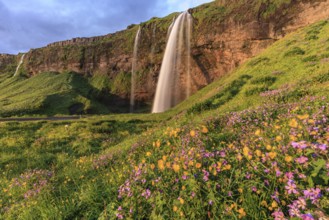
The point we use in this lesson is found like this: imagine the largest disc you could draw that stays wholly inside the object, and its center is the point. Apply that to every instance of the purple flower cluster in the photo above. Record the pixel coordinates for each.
(125, 189)
(270, 93)
(205, 175)
(278, 215)
(102, 161)
(312, 194)
(291, 187)
(299, 145)
(300, 205)
(34, 181)
(146, 194)
(301, 160)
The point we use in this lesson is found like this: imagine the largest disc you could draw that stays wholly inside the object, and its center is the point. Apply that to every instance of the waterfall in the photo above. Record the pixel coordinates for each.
(170, 27)
(169, 92)
(133, 70)
(19, 64)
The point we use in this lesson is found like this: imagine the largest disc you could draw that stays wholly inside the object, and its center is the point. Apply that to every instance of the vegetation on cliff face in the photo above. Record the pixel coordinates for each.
(257, 149)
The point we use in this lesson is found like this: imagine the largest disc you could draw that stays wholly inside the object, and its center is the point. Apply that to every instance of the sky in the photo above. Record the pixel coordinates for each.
(27, 24)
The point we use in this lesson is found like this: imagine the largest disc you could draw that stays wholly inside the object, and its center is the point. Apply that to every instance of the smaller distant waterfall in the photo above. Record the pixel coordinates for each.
(19, 64)
(133, 70)
(175, 68)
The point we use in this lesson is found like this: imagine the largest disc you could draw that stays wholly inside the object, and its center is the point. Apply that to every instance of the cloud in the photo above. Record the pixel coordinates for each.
(35, 23)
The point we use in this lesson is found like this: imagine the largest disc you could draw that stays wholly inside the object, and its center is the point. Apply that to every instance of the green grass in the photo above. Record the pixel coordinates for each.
(59, 94)
(75, 169)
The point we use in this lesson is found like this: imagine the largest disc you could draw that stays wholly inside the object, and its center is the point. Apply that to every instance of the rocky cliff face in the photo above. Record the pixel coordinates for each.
(226, 34)
(7, 63)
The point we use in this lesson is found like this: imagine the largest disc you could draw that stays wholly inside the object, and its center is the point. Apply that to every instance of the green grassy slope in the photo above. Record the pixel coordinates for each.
(252, 145)
(50, 94)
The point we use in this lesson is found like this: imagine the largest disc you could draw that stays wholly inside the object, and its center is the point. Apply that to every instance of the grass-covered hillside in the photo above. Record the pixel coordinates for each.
(59, 94)
(252, 145)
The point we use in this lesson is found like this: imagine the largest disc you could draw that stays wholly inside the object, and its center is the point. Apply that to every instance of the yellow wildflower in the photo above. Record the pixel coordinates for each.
(152, 166)
(314, 133)
(292, 138)
(227, 167)
(293, 123)
(264, 203)
(190, 163)
(272, 155)
(288, 159)
(148, 154)
(274, 204)
(157, 143)
(239, 157)
(246, 151)
(204, 129)
(242, 213)
(161, 165)
(175, 208)
(183, 187)
(278, 138)
(258, 153)
(181, 201)
(192, 133)
(168, 165)
(176, 167)
(303, 117)
(198, 165)
(268, 147)
(240, 190)
(258, 132)
(311, 121)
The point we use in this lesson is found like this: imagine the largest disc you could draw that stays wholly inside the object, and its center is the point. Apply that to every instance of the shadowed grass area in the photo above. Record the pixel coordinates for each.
(53, 94)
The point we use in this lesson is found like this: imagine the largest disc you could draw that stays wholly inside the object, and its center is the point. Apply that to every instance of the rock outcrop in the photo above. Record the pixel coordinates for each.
(7, 62)
(226, 34)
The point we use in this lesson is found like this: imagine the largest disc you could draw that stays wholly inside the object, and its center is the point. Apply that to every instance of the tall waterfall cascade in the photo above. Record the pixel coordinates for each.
(174, 83)
(19, 64)
(133, 70)
(170, 27)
